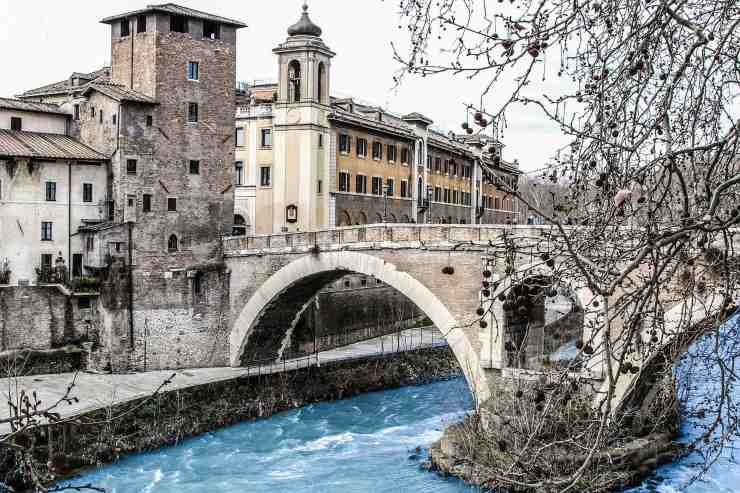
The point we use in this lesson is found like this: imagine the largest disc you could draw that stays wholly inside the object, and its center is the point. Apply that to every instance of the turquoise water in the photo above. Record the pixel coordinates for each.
(363, 444)
(367, 444)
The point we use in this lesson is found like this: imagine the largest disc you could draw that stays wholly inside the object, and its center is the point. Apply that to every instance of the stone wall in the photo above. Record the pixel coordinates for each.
(35, 317)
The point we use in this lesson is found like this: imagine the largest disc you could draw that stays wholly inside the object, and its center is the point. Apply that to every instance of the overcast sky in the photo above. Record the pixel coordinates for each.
(45, 41)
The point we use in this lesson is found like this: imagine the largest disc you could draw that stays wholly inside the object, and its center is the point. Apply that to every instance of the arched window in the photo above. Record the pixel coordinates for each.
(294, 81)
(172, 244)
(344, 219)
(321, 82)
(361, 218)
(240, 226)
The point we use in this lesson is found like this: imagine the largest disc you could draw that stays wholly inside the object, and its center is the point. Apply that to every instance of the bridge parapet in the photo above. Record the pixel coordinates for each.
(374, 233)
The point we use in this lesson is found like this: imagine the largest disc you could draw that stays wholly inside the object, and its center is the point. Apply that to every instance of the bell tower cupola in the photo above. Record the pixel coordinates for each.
(302, 141)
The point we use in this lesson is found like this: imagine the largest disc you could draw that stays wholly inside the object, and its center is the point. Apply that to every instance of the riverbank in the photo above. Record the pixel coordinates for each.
(145, 424)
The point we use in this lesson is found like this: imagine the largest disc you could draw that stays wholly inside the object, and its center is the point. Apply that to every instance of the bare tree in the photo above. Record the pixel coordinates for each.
(646, 92)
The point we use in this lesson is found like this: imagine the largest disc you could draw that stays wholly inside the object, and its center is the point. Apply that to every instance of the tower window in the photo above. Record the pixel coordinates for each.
(172, 244)
(131, 166)
(294, 81)
(318, 187)
(321, 140)
(192, 112)
(211, 30)
(171, 204)
(146, 203)
(178, 24)
(149, 120)
(141, 24)
(124, 28)
(16, 123)
(193, 70)
(194, 167)
(320, 85)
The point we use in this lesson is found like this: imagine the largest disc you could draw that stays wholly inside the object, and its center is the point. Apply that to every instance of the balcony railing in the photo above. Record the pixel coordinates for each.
(60, 275)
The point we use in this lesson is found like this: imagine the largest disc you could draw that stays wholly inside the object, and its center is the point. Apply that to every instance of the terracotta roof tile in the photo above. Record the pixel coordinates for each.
(41, 145)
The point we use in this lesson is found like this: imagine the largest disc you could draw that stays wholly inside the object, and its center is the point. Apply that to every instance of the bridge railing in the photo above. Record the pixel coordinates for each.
(378, 233)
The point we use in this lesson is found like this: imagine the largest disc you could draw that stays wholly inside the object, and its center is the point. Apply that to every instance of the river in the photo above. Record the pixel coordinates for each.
(368, 444)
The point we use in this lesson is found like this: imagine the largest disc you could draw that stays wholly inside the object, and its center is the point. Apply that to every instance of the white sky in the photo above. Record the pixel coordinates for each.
(45, 41)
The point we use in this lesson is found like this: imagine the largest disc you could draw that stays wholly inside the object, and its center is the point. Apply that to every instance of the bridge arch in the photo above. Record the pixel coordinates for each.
(286, 292)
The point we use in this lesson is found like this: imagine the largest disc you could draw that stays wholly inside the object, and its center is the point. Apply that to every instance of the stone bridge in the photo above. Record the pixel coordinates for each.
(440, 268)
(455, 274)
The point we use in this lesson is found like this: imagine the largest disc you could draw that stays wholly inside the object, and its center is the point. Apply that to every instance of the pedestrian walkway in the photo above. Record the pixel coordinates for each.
(96, 391)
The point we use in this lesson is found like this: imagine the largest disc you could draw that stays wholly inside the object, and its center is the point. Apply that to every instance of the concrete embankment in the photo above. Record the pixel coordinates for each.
(106, 434)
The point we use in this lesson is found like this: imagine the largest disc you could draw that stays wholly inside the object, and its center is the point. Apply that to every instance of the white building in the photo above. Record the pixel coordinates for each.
(50, 185)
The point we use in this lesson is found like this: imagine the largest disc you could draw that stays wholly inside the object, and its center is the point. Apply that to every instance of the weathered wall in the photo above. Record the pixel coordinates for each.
(35, 317)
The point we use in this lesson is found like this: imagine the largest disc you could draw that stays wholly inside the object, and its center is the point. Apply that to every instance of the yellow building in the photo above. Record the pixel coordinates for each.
(306, 161)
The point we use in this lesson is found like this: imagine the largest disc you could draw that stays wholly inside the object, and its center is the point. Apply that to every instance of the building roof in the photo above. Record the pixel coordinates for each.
(358, 120)
(89, 226)
(16, 144)
(119, 92)
(417, 117)
(19, 105)
(65, 86)
(172, 8)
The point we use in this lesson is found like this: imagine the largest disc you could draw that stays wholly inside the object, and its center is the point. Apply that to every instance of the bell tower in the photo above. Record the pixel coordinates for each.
(301, 141)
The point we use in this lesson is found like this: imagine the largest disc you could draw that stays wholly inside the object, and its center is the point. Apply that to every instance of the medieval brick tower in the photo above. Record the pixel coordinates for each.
(173, 73)
(302, 147)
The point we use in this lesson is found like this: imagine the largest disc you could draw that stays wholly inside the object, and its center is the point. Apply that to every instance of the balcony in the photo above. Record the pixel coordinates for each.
(60, 275)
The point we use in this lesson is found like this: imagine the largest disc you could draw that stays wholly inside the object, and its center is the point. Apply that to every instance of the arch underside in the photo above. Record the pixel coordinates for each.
(260, 329)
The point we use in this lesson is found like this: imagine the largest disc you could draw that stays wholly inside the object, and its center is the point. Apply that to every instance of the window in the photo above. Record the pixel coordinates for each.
(211, 30)
(361, 184)
(446, 198)
(318, 187)
(446, 168)
(100, 116)
(178, 24)
(92, 111)
(89, 243)
(391, 152)
(294, 81)
(149, 120)
(239, 136)
(497, 203)
(171, 204)
(429, 162)
(47, 231)
(454, 197)
(405, 155)
(194, 167)
(192, 112)
(361, 148)
(124, 28)
(438, 164)
(238, 173)
(51, 191)
(76, 265)
(87, 192)
(77, 112)
(266, 137)
(146, 203)
(114, 119)
(377, 185)
(192, 70)
(83, 302)
(16, 123)
(344, 143)
(240, 226)
(390, 187)
(172, 244)
(141, 24)
(437, 194)
(377, 151)
(343, 181)
(45, 261)
(131, 166)
(404, 188)
(321, 141)
(265, 176)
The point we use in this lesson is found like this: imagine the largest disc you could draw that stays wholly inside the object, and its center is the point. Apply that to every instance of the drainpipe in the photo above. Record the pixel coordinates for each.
(69, 219)
(130, 289)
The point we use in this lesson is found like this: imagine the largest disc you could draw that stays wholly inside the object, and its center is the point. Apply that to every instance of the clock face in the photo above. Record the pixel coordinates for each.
(294, 116)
